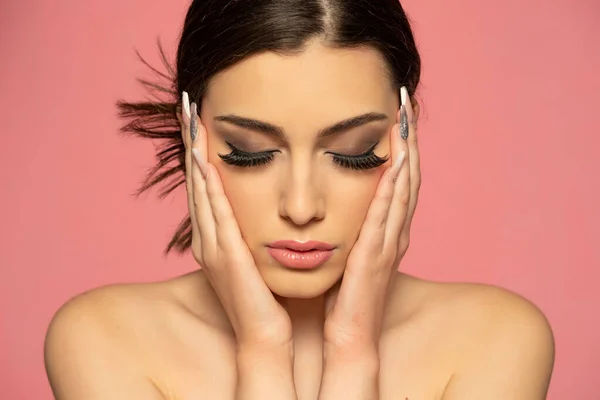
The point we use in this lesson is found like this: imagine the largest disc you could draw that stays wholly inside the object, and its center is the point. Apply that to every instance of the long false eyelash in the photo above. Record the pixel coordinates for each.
(241, 158)
(366, 160)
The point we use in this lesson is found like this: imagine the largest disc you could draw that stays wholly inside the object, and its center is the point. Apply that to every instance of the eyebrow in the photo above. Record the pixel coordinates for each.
(274, 130)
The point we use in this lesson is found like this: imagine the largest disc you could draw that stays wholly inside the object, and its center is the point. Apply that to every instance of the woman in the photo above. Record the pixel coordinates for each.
(294, 128)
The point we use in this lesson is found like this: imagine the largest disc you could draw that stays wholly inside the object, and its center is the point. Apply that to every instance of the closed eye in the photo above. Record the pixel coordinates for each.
(363, 161)
(241, 158)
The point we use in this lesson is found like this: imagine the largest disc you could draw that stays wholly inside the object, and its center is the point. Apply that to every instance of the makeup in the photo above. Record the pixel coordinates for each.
(403, 128)
(300, 255)
(194, 122)
(366, 160)
(404, 95)
(403, 123)
(246, 159)
(241, 158)
(185, 105)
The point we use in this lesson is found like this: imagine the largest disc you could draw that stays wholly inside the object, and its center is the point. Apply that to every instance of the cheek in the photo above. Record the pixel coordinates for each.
(249, 197)
(350, 198)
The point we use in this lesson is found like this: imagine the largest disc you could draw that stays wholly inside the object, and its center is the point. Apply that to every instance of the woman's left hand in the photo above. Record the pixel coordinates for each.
(354, 316)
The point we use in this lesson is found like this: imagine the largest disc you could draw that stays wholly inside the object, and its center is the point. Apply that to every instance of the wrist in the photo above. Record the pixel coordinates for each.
(350, 375)
(366, 367)
(249, 356)
(352, 362)
(352, 355)
(265, 373)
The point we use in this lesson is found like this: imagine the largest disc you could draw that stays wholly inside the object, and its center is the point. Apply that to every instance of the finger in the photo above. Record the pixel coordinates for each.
(215, 216)
(415, 161)
(227, 229)
(185, 136)
(204, 217)
(217, 224)
(237, 281)
(401, 199)
(373, 228)
(202, 210)
(185, 114)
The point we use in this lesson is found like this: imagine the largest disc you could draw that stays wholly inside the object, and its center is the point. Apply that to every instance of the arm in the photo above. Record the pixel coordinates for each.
(85, 359)
(350, 376)
(265, 374)
(354, 315)
(262, 327)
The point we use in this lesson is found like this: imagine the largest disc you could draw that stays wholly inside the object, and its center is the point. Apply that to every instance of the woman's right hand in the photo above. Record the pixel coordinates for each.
(258, 319)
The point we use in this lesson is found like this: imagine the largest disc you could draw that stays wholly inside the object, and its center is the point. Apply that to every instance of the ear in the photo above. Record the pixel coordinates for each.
(416, 110)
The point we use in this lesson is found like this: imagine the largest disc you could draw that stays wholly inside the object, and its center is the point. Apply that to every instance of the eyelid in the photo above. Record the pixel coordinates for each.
(364, 154)
(265, 153)
(248, 153)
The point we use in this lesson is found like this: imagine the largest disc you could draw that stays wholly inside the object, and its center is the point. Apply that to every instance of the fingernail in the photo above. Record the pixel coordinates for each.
(403, 127)
(395, 170)
(194, 122)
(407, 102)
(403, 95)
(201, 163)
(185, 104)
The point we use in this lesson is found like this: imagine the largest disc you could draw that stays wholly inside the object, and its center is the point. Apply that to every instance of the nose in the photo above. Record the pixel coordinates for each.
(301, 200)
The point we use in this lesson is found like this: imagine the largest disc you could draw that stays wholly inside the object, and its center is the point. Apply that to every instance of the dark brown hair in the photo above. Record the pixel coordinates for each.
(219, 33)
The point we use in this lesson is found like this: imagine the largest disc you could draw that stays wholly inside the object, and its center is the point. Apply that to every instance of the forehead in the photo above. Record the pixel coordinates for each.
(327, 84)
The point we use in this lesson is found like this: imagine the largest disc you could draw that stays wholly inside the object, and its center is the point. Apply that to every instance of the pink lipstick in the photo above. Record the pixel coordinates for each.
(300, 255)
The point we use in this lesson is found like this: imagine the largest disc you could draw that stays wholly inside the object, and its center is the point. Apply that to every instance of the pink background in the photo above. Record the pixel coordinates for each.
(509, 143)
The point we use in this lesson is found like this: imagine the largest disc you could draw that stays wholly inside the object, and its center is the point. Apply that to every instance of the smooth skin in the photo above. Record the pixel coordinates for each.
(243, 327)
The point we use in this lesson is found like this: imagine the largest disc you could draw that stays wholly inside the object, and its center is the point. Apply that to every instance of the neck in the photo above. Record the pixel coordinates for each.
(307, 316)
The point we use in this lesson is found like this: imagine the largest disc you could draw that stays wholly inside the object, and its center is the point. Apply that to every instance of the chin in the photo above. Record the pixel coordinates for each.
(301, 284)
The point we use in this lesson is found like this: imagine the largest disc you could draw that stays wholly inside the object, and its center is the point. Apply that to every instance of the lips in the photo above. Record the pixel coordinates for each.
(300, 255)
(301, 246)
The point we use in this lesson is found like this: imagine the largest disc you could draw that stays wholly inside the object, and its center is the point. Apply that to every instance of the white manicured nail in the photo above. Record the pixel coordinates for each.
(185, 101)
(404, 95)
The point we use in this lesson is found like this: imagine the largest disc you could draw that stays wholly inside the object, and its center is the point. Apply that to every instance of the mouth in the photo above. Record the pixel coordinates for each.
(300, 255)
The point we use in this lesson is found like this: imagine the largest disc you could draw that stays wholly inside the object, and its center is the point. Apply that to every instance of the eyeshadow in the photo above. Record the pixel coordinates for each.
(354, 143)
(245, 141)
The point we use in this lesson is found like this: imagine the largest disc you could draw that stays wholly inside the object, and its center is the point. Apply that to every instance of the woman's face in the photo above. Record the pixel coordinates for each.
(298, 190)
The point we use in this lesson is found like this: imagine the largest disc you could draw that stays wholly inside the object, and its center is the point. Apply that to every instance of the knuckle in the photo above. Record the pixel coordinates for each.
(224, 218)
(404, 199)
(417, 181)
(413, 138)
(385, 257)
(382, 222)
(414, 125)
(404, 242)
(385, 198)
(226, 213)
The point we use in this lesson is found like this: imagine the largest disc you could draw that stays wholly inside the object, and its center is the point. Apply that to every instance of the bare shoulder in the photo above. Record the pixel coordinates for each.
(493, 316)
(98, 344)
(499, 343)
